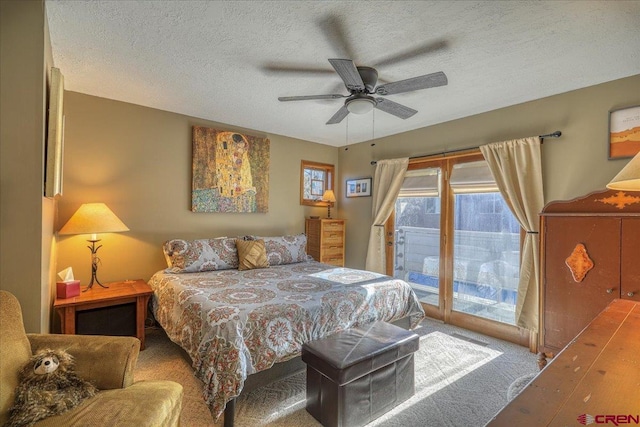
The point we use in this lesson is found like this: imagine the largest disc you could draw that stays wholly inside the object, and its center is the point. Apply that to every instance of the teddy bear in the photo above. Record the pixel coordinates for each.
(47, 386)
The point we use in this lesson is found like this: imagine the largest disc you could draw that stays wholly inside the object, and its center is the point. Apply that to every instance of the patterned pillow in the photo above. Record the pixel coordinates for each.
(286, 249)
(251, 254)
(190, 256)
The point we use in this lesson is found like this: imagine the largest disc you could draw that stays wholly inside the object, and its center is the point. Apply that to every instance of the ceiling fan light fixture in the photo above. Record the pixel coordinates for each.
(361, 105)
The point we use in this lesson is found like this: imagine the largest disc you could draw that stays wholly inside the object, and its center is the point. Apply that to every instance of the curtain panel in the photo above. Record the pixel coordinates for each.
(387, 181)
(516, 166)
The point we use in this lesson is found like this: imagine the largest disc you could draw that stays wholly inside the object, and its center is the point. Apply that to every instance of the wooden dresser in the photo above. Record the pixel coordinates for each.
(590, 255)
(593, 380)
(325, 240)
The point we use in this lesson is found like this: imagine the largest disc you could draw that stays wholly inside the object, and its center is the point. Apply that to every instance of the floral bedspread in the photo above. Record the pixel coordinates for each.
(234, 323)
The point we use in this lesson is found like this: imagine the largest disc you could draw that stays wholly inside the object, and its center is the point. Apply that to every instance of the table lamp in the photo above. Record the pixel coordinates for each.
(330, 198)
(93, 218)
(628, 179)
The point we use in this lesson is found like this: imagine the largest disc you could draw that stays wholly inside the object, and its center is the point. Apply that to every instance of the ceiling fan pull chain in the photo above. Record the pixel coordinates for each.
(373, 126)
(347, 135)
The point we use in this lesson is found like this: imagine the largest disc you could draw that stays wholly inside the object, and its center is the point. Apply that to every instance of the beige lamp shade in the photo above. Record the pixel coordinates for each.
(628, 179)
(328, 196)
(93, 218)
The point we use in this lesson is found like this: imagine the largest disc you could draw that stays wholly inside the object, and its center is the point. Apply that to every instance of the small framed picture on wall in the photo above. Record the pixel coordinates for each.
(359, 187)
(624, 132)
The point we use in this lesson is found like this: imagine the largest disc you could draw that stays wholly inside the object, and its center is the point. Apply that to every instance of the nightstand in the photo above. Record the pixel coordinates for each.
(121, 300)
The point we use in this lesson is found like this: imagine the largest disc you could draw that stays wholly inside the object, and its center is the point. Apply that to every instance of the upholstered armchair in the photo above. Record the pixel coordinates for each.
(108, 362)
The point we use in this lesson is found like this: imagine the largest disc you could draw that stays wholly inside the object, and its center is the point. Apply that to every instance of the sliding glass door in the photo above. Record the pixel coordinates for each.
(458, 244)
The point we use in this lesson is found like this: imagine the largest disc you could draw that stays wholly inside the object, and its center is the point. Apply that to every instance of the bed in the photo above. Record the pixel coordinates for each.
(235, 321)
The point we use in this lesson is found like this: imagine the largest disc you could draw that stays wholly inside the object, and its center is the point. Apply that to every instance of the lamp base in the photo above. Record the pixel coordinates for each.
(94, 265)
(94, 279)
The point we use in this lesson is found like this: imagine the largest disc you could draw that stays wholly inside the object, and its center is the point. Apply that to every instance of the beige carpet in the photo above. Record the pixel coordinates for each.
(462, 380)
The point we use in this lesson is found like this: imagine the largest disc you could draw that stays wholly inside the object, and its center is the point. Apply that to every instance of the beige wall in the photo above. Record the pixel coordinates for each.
(26, 217)
(137, 160)
(573, 165)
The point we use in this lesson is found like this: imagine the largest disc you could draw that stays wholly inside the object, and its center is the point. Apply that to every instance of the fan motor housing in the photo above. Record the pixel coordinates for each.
(369, 77)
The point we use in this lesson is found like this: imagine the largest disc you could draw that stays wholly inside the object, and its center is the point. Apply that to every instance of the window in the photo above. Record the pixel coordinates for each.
(315, 178)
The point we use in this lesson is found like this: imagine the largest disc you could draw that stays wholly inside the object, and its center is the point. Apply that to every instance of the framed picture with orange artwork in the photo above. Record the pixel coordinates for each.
(624, 132)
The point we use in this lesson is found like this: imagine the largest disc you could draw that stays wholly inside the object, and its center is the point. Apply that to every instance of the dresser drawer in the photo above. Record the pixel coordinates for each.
(332, 251)
(333, 226)
(332, 239)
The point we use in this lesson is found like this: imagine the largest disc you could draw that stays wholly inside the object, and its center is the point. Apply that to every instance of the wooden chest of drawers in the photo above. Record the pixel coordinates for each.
(590, 247)
(325, 240)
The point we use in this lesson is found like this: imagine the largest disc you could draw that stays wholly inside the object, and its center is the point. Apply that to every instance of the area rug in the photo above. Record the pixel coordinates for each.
(461, 378)
(518, 385)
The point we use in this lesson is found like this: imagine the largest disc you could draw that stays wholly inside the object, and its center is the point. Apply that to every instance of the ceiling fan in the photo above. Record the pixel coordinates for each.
(361, 83)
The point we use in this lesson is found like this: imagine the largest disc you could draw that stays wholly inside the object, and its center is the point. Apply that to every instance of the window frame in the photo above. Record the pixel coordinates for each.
(327, 168)
(445, 310)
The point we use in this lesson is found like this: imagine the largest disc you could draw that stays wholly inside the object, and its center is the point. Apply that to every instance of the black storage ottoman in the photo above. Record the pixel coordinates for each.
(355, 376)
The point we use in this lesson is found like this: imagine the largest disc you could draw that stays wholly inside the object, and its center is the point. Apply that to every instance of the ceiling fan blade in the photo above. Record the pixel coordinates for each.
(334, 30)
(415, 83)
(348, 72)
(409, 54)
(294, 68)
(394, 108)
(308, 97)
(339, 115)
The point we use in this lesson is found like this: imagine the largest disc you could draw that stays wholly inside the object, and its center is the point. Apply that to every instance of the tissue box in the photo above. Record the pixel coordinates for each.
(68, 289)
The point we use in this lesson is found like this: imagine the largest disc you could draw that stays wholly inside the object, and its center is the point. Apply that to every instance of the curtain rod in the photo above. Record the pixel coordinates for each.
(555, 134)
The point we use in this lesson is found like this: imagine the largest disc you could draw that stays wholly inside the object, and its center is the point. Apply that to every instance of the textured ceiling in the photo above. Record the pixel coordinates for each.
(227, 61)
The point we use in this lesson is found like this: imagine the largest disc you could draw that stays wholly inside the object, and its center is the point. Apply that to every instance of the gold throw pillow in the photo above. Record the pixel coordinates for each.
(251, 254)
